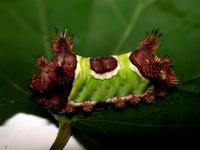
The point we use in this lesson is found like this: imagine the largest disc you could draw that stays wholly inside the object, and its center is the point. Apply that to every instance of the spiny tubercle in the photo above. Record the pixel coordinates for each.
(51, 87)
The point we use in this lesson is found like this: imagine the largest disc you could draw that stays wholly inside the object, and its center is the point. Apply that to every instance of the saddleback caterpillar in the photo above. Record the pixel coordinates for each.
(71, 82)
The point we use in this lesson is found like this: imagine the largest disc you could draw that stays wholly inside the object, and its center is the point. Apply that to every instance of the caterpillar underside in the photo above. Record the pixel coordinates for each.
(71, 82)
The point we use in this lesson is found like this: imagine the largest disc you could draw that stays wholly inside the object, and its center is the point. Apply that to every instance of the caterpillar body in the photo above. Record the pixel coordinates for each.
(71, 82)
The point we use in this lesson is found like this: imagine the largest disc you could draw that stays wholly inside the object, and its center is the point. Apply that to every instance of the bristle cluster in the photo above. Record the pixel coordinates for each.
(87, 106)
(148, 97)
(134, 100)
(151, 42)
(119, 103)
(168, 73)
(156, 69)
(51, 86)
(69, 108)
(63, 42)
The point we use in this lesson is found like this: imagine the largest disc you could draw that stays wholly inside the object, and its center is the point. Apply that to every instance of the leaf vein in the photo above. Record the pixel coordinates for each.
(14, 84)
(118, 13)
(44, 27)
(136, 13)
(196, 77)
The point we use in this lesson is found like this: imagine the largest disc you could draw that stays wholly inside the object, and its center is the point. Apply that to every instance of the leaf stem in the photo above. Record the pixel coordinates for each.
(63, 136)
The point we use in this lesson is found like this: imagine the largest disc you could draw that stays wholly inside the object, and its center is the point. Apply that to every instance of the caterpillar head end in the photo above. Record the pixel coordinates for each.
(50, 88)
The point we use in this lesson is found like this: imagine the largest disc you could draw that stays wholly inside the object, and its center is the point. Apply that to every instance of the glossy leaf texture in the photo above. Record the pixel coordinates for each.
(105, 27)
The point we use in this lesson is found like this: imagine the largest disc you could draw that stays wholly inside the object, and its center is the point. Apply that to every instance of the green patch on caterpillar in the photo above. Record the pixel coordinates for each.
(71, 83)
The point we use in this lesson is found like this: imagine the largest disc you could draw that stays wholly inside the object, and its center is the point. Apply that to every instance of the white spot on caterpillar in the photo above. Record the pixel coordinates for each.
(106, 75)
(113, 99)
(78, 67)
(74, 104)
(81, 103)
(135, 69)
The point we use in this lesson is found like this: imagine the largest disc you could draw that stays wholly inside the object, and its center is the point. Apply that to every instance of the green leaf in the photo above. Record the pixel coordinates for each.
(104, 27)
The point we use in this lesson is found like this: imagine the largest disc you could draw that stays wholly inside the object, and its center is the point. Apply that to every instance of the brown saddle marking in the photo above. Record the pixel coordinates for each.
(102, 65)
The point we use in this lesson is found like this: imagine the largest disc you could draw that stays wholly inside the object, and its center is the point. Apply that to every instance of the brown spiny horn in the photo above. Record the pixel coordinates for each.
(150, 65)
(151, 42)
(63, 42)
